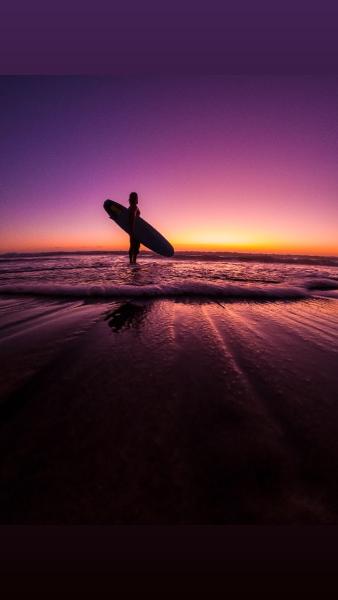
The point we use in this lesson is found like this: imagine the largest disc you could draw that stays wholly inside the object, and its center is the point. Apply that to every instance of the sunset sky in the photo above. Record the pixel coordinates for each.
(231, 163)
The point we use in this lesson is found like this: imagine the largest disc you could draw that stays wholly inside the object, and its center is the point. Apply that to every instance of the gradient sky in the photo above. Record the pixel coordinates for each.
(232, 163)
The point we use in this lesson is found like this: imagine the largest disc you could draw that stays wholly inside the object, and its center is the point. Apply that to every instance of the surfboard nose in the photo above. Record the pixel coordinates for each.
(107, 204)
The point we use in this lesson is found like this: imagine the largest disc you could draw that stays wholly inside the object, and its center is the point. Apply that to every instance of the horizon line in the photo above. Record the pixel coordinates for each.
(146, 251)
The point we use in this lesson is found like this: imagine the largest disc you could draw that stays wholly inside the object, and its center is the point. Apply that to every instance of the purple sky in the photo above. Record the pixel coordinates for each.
(218, 162)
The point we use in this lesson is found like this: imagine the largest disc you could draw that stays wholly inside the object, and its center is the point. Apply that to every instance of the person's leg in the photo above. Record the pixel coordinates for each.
(136, 250)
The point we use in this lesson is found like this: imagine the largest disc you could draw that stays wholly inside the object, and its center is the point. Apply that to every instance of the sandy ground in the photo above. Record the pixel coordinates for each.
(165, 412)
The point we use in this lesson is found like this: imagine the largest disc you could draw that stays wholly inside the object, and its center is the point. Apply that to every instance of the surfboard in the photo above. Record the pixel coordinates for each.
(145, 233)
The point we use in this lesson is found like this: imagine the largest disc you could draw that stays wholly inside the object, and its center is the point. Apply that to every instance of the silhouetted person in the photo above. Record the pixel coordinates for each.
(134, 212)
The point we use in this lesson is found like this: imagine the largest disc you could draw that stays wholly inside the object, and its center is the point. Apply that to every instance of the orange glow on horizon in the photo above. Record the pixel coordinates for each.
(252, 243)
(210, 236)
(180, 245)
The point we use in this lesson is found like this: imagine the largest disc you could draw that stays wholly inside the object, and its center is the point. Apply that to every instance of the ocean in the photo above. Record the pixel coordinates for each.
(196, 274)
(200, 389)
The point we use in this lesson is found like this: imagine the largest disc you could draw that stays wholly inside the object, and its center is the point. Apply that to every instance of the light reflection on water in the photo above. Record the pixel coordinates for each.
(114, 269)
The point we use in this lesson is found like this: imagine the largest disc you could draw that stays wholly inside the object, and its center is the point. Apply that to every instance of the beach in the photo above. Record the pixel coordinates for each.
(185, 409)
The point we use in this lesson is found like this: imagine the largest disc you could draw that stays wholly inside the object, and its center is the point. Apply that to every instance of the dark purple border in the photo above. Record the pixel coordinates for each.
(138, 37)
(210, 549)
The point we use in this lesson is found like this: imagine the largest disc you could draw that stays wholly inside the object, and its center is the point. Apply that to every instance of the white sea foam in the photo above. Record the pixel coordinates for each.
(186, 288)
(209, 275)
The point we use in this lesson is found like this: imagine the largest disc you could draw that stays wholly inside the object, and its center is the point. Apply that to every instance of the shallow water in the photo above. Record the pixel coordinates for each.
(223, 275)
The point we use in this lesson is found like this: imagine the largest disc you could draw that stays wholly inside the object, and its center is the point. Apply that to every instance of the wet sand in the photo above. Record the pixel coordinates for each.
(165, 412)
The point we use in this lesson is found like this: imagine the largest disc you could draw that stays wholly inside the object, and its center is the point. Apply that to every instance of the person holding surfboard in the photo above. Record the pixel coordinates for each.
(134, 212)
(139, 231)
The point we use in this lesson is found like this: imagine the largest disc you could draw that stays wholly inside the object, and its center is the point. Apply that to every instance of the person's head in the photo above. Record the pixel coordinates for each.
(133, 198)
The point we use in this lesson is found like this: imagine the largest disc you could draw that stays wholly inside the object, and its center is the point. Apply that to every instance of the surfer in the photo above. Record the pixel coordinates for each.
(134, 212)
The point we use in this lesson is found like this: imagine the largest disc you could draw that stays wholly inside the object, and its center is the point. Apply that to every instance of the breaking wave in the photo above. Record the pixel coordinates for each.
(167, 290)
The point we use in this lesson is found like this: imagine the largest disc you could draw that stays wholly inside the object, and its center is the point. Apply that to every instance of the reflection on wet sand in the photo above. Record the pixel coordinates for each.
(126, 315)
(192, 414)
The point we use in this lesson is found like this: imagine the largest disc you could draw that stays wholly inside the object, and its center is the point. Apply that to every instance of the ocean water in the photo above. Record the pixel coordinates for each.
(213, 403)
(191, 274)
